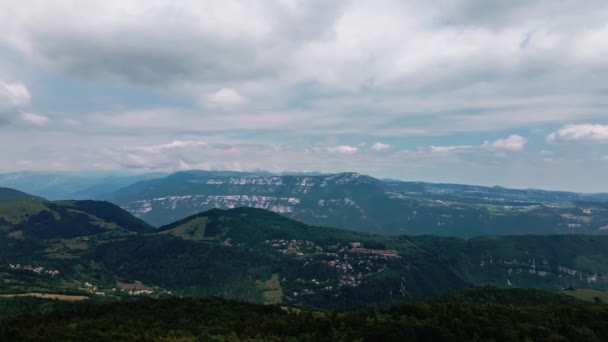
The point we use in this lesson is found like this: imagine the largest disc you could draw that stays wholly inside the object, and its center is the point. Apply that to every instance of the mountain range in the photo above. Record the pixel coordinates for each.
(96, 249)
(363, 203)
(61, 185)
(345, 200)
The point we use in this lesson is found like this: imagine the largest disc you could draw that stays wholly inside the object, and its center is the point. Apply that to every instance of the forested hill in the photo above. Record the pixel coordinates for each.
(187, 319)
(96, 249)
(33, 218)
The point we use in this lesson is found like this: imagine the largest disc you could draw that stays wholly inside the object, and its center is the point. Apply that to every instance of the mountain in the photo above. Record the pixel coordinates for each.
(363, 203)
(103, 187)
(8, 194)
(56, 185)
(256, 255)
(95, 249)
(46, 245)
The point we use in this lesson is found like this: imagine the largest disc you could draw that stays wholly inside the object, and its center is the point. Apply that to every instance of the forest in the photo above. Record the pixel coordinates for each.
(479, 314)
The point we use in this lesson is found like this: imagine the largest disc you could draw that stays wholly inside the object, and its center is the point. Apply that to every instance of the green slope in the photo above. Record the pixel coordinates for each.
(39, 219)
(260, 256)
(231, 252)
(47, 246)
(8, 194)
(255, 226)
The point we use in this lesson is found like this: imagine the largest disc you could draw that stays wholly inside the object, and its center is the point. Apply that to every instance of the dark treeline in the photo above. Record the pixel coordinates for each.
(189, 319)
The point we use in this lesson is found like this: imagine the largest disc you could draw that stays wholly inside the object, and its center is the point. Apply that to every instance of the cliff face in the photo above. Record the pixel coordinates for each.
(313, 199)
(362, 203)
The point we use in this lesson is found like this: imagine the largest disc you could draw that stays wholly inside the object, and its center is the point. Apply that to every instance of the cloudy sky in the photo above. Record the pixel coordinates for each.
(511, 92)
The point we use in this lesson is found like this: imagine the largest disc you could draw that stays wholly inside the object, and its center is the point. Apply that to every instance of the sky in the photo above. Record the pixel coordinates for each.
(510, 93)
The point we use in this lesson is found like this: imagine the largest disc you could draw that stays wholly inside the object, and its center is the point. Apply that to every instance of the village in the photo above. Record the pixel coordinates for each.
(344, 265)
(35, 269)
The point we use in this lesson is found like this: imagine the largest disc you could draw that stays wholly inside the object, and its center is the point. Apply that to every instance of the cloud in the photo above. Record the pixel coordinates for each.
(339, 45)
(307, 67)
(196, 154)
(15, 94)
(343, 149)
(378, 146)
(225, 98)
(174, 145)
(445, 149)
(605, 158)
(34, 119)
(591, 133)
(162, 76)
(513, 142)
(13, 98)
(164, 42)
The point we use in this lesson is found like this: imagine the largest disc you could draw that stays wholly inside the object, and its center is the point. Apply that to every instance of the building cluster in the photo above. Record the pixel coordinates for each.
(296, 247)
(357, 247)
(92, 289)
(34, 269)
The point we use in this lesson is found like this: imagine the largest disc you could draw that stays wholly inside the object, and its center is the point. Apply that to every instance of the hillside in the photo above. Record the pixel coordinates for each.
(46, 245)
(253, 226)
(8, 194)
(363, 203)
(39, 219)
(252, 254)
(211, 319)
(96, 249)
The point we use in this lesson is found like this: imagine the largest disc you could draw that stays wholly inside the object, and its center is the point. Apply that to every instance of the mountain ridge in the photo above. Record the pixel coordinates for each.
(363, 203)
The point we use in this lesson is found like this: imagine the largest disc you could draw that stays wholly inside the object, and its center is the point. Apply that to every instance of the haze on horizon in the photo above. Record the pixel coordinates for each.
(509, 93)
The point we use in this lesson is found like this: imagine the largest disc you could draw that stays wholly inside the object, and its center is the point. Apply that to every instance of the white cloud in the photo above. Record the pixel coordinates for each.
(13, 98)
(225, 98)
(605, 158)
(513, 142)
(176, 144)
(344, 44)
(593, 133)
(378, 146)
(397, 59)
(15, 94)
(34, 119)
(445, 149)
(343, 149)
(300, 72)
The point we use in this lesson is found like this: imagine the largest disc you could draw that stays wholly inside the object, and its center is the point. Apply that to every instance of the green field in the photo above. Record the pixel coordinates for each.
(588, 295)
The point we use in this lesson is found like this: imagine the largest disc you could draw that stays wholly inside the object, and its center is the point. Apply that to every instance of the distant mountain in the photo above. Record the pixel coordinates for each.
(101, 188)
(363, 203)
(97, 249)
(56, 185)
(8, 194)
